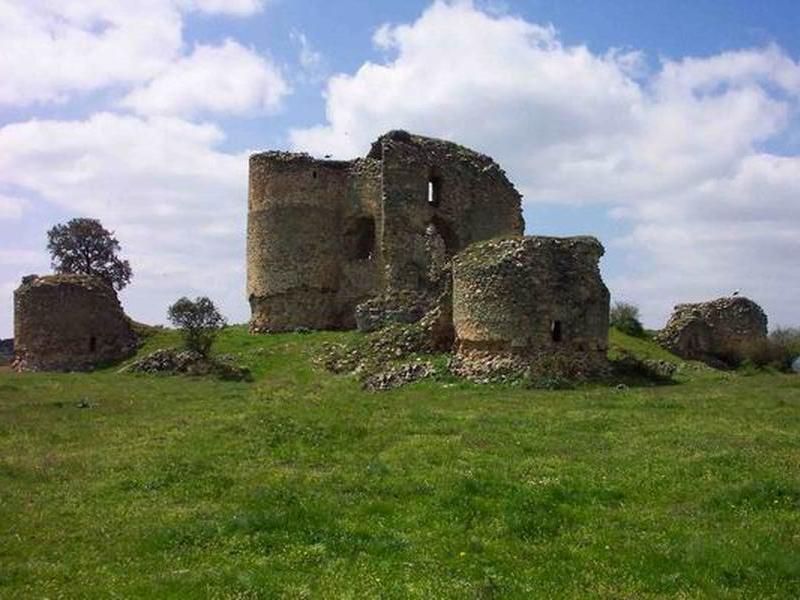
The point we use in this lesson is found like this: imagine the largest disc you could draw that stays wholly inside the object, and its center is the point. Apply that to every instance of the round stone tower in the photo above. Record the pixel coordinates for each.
(293, 240)
(526, 296)
(69, 323)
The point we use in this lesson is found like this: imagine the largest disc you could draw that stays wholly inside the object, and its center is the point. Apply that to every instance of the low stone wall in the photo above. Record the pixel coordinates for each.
(707, 330)
(69, 323)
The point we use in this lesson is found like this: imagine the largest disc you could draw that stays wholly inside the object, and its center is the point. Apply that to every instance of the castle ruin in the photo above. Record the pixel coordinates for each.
(69, 323)
(707, 331)
(419, 230)
(518, 298)
(324, 236)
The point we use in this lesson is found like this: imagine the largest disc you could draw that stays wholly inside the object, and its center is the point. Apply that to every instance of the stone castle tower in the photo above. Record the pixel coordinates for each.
(324, 235)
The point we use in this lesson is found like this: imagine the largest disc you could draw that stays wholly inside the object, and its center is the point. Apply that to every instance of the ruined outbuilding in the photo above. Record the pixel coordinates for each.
(708, 331)
(325, 236)
(69, 323)
(519, 298)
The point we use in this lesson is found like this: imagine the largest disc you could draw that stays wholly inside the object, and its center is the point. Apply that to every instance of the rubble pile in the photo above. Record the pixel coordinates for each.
(189, 362)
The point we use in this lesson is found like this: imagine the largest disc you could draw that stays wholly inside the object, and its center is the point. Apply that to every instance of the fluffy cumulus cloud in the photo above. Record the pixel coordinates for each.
(148, 166)
(50, 49)
(227, 78)
(676, 151)
(174, 201)
(240, 8)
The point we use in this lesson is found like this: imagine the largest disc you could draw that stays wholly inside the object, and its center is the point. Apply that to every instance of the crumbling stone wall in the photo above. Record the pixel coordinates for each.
(518, 298)
(708, 330)
(325, 236)
(69, 323)
(313, 228)
(437, 188)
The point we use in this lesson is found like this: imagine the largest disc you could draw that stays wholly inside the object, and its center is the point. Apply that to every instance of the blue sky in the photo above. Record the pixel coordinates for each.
(669, 130)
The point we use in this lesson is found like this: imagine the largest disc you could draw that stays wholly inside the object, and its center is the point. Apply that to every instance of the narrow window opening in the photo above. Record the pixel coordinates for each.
(434, 190)
(92, 344)
(314, 174)
(555, 331)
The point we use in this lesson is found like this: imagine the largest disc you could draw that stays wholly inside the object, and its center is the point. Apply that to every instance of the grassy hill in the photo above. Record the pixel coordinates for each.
(300, 484)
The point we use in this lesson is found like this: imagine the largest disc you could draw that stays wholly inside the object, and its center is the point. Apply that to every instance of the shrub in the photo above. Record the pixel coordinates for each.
(625, 317)
(777, 351)
(788, 337)
(199, 322)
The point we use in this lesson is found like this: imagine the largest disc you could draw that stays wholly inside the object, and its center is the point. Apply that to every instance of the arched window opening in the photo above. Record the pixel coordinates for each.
(556, 333)
(359, 239)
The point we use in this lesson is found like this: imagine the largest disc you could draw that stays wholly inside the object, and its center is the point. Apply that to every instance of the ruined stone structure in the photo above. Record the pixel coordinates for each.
(324, 236)
(518, 298)
(708, 330)
(69, 323)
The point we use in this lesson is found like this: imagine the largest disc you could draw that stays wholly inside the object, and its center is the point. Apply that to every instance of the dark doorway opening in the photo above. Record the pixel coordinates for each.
(556, 333)
(451, 243)
(92, 344)
(359, 239)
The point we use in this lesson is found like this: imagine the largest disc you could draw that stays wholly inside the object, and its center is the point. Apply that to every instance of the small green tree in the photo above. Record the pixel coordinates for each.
(777, 351)
(199, 322)
(84, 247)
(625, 317)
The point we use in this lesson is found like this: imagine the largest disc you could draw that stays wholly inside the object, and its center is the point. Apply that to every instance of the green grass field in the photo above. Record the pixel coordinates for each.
(299, 485)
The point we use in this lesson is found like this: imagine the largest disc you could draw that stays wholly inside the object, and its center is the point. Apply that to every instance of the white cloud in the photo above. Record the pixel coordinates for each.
(226, 79)
(52, 48)
(677, 151)
(11, 207)
(239, 8)
(176, 203)
(308, 57)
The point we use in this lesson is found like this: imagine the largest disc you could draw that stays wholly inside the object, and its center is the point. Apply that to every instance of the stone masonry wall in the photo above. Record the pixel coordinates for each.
(69, 323)
(324, 236)
(706, 330)
(472, 200)
(307, 221)
(527, 296)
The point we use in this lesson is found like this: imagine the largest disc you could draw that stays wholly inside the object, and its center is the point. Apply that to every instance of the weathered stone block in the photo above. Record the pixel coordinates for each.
(708, 330)
(69, 323)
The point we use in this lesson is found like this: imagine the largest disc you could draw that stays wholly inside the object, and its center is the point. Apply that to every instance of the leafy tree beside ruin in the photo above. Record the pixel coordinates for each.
(199, 322)
(625, 317)
(84, 247)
